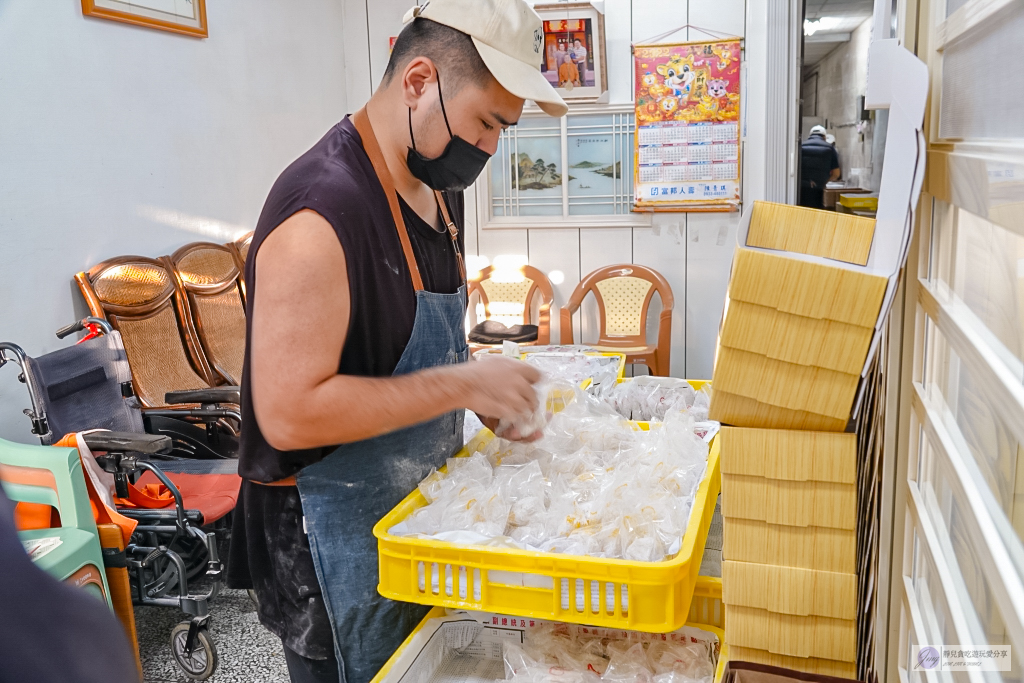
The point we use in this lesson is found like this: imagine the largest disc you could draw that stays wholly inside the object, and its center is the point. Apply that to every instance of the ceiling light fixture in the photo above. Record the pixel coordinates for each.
(822, 24)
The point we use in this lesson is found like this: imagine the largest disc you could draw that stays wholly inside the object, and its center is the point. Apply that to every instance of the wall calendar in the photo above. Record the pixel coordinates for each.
(687, 142)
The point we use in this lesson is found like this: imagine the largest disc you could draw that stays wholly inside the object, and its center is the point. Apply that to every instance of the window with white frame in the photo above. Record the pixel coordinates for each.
(578, 167)
(963, 557)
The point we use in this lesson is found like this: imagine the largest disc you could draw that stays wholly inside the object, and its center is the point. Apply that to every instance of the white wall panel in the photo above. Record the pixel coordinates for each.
(494, 243)
(720, 16)
(384, 22)
(755, 92)
(357, 56)
(663, 248)
(618, 20)
(653, 17)
(117, 139)
(558, 251)
(711, 241)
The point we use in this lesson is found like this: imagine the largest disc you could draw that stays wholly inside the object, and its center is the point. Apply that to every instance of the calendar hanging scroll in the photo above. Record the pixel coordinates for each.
(687, 142)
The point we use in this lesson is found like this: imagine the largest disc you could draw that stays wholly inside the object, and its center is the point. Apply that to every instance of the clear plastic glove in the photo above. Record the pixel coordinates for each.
(529, 424)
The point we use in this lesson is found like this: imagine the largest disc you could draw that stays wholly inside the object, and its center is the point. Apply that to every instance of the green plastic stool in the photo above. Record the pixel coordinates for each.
(53, 476)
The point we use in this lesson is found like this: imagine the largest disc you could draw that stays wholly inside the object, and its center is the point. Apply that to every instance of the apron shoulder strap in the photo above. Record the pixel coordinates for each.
(453, 231)
(362, 124)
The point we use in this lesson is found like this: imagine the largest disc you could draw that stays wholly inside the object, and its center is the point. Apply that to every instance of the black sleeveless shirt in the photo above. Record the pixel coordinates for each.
(336, 180)
(269, 548)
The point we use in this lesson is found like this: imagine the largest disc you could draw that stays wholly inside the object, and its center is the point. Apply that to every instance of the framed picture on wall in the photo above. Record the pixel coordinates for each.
(573, 54)
(187, 17)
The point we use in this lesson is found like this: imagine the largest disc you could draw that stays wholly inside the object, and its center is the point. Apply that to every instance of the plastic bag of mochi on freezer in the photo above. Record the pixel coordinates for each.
(555, 653)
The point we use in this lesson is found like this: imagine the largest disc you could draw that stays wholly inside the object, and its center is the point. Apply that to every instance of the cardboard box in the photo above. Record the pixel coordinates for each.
(810, 547)
(792, 338)
(794, 478)
(790, 386)
(789, 503)
(806, 288)
(811, 231)
(730, 408)
(787, 634)
(790, 590)
(814, 665)
(795, 455)
(795, 335)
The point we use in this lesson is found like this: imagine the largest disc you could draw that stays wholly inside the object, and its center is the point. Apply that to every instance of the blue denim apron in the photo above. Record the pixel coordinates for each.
(351, 489)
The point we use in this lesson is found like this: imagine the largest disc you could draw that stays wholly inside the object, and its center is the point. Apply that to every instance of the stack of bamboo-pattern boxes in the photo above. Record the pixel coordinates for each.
(789, 572)
(796, 332)
(792, 346)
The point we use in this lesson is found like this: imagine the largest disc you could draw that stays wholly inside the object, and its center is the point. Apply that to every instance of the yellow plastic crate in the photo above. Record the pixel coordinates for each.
(868, 202)
(707, 600)
(695, 383)
(639, 596)
(621, 356)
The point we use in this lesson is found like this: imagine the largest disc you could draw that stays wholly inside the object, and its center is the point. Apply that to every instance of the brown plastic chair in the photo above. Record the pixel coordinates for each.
(624, 294)
(138, 296)
(240, 250)
(510, 301)
(209, 276)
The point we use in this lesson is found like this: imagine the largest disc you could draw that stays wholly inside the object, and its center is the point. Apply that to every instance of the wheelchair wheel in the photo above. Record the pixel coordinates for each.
(201, 664)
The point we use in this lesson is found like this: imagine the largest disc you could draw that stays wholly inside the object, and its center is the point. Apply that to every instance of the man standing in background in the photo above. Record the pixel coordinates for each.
(560, 55)
(580, 56)
(819, 164)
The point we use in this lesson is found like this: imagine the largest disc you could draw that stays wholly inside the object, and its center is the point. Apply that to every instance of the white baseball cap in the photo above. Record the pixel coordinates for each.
(818, 130)
(509, 36)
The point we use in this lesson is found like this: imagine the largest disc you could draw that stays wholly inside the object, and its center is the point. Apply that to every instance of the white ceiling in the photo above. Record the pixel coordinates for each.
(851, 14)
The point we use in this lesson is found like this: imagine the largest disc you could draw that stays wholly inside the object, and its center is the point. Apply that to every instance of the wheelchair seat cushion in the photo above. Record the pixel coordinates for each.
(204, 396)
(127, 442)
(214, 495)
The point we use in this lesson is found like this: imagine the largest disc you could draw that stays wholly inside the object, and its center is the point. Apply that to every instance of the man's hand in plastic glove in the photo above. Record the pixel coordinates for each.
(512, 433)
(497, 388)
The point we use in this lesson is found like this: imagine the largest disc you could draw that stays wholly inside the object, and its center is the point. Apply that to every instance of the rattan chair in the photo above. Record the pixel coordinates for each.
(138, 296)
(211, 281)
(240, 249)
(510, 299)
(623, 295)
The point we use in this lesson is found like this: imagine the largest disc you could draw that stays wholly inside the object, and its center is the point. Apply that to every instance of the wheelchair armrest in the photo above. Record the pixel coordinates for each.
(128, 442)
(204, 396)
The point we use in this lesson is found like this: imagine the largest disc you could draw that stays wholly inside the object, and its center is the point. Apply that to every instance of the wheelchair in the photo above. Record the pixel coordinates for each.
(88, 387)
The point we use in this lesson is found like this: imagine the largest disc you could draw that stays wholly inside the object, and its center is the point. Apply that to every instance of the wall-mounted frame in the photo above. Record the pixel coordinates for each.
(573, 55)
(575, 171)
(187, 17)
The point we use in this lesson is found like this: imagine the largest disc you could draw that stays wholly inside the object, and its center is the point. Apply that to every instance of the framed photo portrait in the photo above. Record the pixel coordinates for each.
(187, 17)
(573, 54)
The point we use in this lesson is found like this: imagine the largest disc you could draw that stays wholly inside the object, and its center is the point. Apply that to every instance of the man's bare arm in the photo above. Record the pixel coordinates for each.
(300, 320)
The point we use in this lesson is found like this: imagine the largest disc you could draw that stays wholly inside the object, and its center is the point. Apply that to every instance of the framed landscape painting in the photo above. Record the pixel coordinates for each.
(187, 17)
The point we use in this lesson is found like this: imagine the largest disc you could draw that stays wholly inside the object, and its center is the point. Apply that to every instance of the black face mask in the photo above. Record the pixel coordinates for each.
(458, 165)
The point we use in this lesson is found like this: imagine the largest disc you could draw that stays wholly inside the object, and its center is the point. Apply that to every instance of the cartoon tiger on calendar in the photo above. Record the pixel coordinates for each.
(695, 82)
